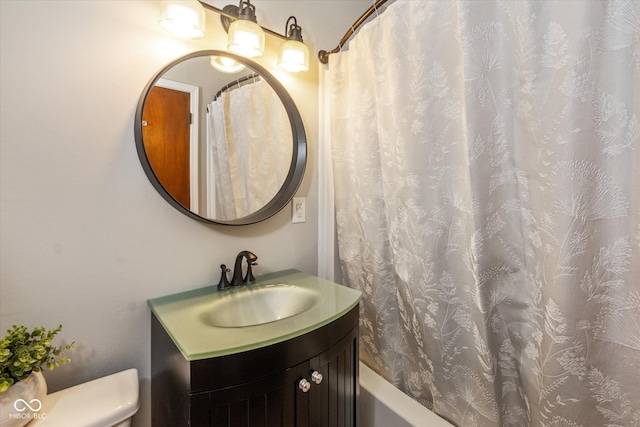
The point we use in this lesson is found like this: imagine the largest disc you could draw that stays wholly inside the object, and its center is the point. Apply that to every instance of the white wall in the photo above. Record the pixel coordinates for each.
(85, 240)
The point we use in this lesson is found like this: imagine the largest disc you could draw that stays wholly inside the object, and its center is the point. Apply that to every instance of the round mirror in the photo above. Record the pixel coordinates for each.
(225, 147)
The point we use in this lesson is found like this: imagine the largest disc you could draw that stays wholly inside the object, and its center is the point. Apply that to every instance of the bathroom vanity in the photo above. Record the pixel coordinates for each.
(240, 367)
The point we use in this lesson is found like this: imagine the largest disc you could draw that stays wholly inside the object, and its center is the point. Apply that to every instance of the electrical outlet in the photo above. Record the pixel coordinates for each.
(297, 210)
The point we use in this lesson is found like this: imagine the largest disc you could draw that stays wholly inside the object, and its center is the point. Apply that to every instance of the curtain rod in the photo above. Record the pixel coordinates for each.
(237, 82)
(323, 55)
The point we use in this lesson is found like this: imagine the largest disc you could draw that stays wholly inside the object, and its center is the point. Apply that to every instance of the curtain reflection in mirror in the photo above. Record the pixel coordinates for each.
(245, 170)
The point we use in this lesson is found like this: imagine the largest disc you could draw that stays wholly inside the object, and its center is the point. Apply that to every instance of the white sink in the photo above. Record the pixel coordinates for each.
(248, 306)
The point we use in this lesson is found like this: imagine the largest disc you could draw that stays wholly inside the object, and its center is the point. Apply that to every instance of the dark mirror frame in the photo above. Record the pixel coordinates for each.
(299, 154)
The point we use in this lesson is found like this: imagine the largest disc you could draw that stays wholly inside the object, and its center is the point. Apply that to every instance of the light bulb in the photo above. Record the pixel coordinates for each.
(294, 56)
(226, 65)
(246, 38)
(183, 18)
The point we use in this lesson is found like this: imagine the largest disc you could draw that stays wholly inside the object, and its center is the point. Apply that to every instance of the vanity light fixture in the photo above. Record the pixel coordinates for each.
(183, 18)
(186, 18)
(293, 54)
(226, 65)
(246, 37)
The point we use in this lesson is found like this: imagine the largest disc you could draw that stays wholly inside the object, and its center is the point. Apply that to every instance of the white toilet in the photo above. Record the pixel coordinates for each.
(109, 401)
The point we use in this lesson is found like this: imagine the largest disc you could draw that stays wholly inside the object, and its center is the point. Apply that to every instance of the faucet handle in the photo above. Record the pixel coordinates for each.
(248, 278)
(224, 282)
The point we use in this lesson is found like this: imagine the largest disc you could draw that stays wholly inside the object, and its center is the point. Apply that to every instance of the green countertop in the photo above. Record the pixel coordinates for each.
(181, 316)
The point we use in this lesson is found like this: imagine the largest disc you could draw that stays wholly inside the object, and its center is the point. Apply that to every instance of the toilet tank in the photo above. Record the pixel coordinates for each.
(105, 402)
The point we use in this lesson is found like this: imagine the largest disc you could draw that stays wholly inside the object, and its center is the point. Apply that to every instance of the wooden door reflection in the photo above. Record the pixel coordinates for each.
(165, 131)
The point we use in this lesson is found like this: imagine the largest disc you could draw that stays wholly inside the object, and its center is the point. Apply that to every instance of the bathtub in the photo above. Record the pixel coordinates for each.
(383, 405)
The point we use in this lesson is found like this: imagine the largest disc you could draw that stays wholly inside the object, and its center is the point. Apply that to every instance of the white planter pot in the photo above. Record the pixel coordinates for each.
(22, 402)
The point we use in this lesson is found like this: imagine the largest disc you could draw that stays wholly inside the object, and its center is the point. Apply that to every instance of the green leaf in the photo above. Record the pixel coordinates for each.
(23, 352)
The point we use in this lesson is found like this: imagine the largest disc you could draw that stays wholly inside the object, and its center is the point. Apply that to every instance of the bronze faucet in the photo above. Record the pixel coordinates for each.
(237, 269)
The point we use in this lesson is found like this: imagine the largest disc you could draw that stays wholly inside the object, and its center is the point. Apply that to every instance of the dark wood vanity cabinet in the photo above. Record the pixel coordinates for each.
(260, 387)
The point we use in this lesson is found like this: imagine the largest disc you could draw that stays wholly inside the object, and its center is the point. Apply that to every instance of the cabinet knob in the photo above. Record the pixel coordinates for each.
(304, 385)
(316, 377)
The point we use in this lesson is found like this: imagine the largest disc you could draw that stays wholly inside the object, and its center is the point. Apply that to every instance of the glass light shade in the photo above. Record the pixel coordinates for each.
(183, 18)
(246, 38)
(226, 65)
(293, 56)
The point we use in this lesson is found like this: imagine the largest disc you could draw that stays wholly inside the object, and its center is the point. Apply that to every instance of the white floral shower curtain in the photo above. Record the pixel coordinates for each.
(487, 188)
(248, 137)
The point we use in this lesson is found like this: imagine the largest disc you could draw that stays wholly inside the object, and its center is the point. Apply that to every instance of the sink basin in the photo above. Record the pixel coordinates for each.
(256, 305)
(205, 322)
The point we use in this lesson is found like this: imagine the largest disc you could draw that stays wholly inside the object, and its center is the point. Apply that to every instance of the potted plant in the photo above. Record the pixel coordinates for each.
(23, 355)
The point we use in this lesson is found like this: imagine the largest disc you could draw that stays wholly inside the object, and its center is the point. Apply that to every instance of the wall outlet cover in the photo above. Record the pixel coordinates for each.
(298, 210)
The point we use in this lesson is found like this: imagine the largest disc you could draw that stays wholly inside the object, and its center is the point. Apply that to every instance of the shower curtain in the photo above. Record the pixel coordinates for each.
(248, 134)
(486, 159)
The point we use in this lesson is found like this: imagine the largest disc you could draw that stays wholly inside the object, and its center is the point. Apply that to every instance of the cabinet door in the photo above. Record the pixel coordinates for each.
(333, 401)
(272, 401)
